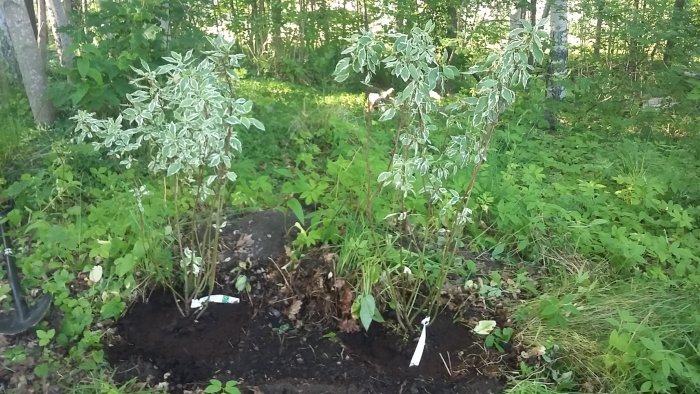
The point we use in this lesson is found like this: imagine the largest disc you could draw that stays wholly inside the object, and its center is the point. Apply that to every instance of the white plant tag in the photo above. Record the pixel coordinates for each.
(418, 353)
(217, 298)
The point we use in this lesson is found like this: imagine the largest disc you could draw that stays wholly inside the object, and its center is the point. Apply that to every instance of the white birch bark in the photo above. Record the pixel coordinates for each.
(42, 38)
(8, 61)
(63, 40)
(559, 53)
(29, 59)
(518, 12)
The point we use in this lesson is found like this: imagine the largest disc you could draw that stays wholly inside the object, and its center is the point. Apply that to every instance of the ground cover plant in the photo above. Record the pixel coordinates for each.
(553, 244)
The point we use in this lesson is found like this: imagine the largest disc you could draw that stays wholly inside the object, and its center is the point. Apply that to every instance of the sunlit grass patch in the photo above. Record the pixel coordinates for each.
(617, 335)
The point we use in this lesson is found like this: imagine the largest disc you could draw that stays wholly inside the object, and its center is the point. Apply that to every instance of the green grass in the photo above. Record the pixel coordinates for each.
(607, 207)
(620, 333)
(15, 118)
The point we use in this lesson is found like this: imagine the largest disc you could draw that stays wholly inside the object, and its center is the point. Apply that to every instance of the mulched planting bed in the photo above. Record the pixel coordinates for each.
(290, 333)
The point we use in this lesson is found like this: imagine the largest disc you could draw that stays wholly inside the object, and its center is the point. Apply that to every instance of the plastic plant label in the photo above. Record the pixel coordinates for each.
(418, 353)
(216, 298)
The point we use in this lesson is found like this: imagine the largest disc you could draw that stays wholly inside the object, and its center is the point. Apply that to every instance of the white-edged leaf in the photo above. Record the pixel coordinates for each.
(257, 124)
(387, 115)
(174, 168)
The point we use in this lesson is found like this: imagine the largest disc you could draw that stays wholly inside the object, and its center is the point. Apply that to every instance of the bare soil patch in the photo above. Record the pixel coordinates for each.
(285, 336)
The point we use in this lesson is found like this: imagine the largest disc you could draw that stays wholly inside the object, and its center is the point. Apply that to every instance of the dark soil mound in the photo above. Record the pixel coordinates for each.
(284, 337)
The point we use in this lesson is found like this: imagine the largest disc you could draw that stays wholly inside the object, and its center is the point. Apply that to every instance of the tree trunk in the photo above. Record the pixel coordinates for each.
(276, 21)
(518, 12)
(83, 14)
(547, 7)
(676, 20)
(63, 40)
(165, 25)
(559, 55)
(254, 26)
(634, 51)
(365, 18)
(533, 12)
(8, 60)
(29, 59)
(29, 4)
(42, 38)
(452, 29)
(560, 52)
(302, 31)
(599, 7)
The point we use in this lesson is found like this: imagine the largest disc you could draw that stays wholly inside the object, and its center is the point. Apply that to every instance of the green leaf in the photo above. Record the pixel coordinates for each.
(231, 387)
(537, 54)
(296, 208)
(404, 73)
(124, 264)
(596, 222)
(83, 65)
(413, 71)
(378, 316)
(45, 336)
(387, 115)
(450, 72)
(214, 386)
(257, 124)
(241, 283)
(285, 172)
(112, 308)
(487, 83)
(174, 168)
(433, 77)
(498, 250)
(342, 67)
(342, 77)
(367, 310)
(42, 370)
(508, 95)
(506, 333)
(79, 93)
(139, 249)
(96, 76)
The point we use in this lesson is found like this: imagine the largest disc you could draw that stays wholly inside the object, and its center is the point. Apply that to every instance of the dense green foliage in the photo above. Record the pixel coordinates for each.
(595, 223)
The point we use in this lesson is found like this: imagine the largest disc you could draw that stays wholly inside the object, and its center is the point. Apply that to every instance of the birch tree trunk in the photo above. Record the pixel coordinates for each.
(63, 40)
(42, 37)
(8, 61)
(518, 12)
(545, 11)
(29, 59)
(29, 4)
(559, 53)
